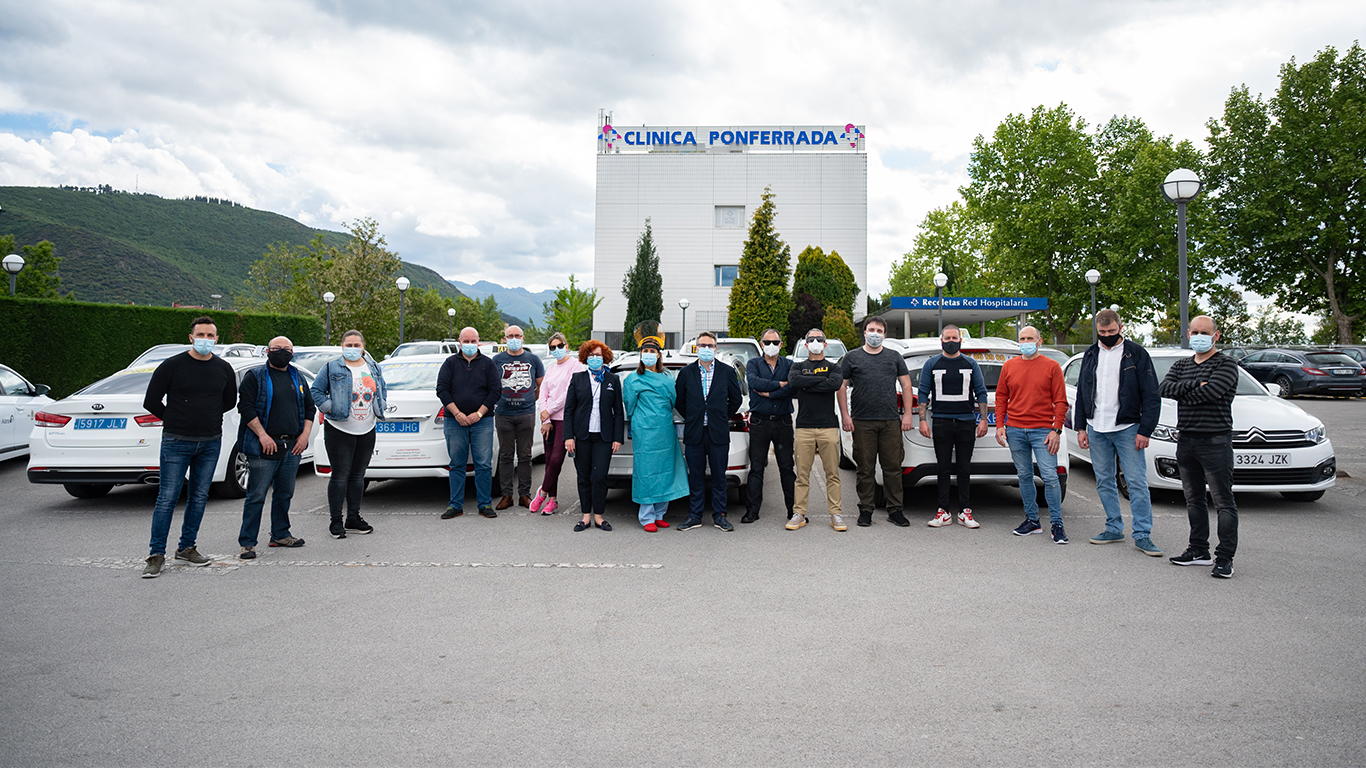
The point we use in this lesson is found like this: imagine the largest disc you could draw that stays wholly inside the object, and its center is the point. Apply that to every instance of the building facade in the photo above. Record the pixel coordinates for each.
(699, 186)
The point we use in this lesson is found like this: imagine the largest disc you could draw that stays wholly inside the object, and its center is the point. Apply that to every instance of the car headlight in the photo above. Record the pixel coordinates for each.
(1317, 434)
(1163, 432)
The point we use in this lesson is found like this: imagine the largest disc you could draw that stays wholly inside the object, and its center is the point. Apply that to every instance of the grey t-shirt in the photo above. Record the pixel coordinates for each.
(873, 378)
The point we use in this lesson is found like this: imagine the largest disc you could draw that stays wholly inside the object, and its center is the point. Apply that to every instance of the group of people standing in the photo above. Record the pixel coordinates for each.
(583, 409)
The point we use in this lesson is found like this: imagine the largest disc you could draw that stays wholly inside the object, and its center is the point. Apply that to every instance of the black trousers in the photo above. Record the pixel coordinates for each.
(350, 456)
(764, 431)
(953, 436)
(1207, 461)
(591, 458)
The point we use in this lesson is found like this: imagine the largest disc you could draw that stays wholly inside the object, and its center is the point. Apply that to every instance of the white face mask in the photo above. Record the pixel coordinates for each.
(771, 348)
(873, 338)
(816, 346)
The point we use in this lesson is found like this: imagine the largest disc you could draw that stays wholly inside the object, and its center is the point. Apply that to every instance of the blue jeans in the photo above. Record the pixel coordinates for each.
(1105, 447)
(699, 457)
(177, 458)
(652, 512)
(461, 442)
(279, 471)
(1026, 447)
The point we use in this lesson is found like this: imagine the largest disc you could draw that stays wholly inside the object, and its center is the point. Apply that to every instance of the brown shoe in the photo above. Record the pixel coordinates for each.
(504, 502)
(525, 501)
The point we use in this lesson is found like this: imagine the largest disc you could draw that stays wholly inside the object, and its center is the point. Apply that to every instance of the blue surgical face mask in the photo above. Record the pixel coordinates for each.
(352, 353)
(470, 350)
(1201, 342)
(594, 362)
(706, 354)
(558, 353)
(1028, 348)
(514, 345)
(204, 346)
(649, 359)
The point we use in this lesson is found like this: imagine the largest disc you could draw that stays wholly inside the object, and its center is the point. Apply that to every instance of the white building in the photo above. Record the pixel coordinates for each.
(699, 186)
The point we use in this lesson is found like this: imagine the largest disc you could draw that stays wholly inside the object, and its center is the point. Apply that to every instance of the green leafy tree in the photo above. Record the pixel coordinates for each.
(1287, 175)
(839, 325)
(759, 298)
(643, 288)
(825, 277)
(807, 313)
(953, 241)
(1273, 328)
(1229, 310)
(39, 278)
(571, 312)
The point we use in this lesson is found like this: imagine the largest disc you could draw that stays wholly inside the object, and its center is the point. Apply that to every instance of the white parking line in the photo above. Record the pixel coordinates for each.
(222, 564)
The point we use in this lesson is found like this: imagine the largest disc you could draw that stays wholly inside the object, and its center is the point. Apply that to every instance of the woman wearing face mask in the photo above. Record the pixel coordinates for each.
(658, 474)
(550, 407)
(350, 393)
(595, 428)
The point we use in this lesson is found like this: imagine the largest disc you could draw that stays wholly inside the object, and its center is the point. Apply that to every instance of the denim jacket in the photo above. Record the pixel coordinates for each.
(332, 389)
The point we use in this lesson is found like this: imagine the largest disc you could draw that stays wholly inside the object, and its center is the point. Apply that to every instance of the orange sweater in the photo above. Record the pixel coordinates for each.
(1031, 394)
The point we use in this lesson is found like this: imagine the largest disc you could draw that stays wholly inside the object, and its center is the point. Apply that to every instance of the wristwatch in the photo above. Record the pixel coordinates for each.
(1058, 431)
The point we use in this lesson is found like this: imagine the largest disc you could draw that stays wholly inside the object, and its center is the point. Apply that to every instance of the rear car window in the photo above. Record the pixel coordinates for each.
(1330, 358)
(409, 377)
(132, 382)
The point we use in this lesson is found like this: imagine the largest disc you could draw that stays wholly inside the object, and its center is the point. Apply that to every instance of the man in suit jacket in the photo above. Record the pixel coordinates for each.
(708, 396)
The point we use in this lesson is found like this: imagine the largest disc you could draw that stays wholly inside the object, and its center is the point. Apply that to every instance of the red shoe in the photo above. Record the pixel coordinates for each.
(661, 524)
(650, 528)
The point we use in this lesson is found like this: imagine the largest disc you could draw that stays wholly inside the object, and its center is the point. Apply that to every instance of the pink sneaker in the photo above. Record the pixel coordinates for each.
(538, 501)
(942, 519)
(550, 506)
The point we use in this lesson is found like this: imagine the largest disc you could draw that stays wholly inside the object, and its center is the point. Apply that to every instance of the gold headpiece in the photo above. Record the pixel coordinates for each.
(648, 330)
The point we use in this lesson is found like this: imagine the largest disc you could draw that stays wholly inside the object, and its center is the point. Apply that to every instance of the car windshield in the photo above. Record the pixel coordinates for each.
(410, 377)
(417, 349)
(130, 382)
(1246, 384)
(989, 362)
(1330, 358)
(834, 350)
(745, 352)
(314, 360)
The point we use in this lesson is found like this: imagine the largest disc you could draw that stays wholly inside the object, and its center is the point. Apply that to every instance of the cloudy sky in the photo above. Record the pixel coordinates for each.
(467, 128)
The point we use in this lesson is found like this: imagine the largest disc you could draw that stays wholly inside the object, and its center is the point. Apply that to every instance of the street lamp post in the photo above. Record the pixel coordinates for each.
(451, 314)
(1182, 186)
(328, 298)
(216, 297)
(941, 280)
(14, 264)
(402, 284)
(1093, 277)
(683, 336)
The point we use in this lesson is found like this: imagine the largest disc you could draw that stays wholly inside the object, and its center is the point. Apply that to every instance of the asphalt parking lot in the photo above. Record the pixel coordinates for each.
(515, 640)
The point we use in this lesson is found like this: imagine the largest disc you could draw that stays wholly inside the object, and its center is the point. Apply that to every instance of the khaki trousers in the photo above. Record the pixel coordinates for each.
(826, 442)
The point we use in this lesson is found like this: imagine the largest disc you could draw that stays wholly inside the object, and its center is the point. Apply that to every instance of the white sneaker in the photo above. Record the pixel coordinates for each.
(837, 522)
(965, 518)
(796, 522)
(942, 519)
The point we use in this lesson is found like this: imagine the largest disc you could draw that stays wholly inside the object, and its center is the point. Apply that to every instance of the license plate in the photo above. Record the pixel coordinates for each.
(1343, 371)
(991, 419)
(101, 423)
(396, 427)
(1261, 459)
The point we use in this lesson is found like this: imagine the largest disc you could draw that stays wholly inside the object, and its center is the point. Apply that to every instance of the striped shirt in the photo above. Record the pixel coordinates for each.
(1206, 409)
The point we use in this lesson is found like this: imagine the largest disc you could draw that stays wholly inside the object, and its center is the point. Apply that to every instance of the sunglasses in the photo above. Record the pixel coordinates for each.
(557, 346)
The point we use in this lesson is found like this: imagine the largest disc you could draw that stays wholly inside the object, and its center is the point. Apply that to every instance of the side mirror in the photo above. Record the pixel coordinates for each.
(41, 389)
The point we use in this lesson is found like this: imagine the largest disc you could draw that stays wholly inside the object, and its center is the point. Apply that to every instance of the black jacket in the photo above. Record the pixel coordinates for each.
(578, 408)
(1139, 402)
(722, 402)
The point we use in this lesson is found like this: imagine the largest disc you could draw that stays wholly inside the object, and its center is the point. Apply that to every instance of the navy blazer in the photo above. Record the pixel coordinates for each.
(722, 402)
(578, 407)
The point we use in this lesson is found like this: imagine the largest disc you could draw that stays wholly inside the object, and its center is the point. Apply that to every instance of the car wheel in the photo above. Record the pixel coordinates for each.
(235, 485)
(879, 497)
(1121, 481)
(742, 493)
(1284, 388)
(1302, 495)
(845, 461)
(1041, 499)
(88, 490)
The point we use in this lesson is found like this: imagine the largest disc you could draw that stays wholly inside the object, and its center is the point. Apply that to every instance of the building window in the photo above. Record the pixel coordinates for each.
(730, 216)
(725, 275)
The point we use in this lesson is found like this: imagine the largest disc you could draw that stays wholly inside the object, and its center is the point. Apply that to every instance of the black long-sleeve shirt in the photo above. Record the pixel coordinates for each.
(190, 396)
(284, 405)
(469, 383)
(1206, 409)
(816, 382)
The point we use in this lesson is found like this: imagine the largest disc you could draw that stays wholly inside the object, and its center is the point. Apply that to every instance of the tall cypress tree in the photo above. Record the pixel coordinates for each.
(643, 288)
(759, 297)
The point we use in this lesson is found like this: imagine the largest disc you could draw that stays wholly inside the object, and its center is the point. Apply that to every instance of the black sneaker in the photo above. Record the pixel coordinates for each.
(1223, 569)
(1028, 527)
(865, 519)
(1192, 557)
(357, 524)
(1059, 535)
(722, 523)
(690, 523)
(898, 519)
(487, 512)
(452, 512)
(336, 529)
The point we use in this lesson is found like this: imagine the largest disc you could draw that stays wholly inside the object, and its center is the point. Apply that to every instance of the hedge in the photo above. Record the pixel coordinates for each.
(68, 345)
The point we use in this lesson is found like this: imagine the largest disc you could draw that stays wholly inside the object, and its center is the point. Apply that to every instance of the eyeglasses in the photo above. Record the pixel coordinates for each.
(706, 346)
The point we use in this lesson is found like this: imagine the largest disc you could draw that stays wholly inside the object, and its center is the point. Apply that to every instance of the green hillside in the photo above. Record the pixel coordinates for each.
(119, 247)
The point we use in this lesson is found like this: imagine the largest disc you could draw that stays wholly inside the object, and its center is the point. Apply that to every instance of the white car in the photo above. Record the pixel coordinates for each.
(991, 463)
(737, 460)
(834, 350)
(411, 440)
(160, 352)
(19, 401)
(1277, 447)
(101, 437)
(742, 348)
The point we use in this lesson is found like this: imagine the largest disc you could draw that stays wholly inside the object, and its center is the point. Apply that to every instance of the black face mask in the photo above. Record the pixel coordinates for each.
(1109, 339)
(951, 347)
(279, 358)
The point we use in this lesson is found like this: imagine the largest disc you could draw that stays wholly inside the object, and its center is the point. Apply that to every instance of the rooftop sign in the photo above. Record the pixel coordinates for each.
(963, 302)
(613, 139)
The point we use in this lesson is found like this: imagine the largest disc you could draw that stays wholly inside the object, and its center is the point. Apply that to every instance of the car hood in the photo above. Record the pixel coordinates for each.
(1266, 412)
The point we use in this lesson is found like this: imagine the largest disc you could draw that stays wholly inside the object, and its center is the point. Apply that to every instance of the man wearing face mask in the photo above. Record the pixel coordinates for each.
(189, 392)
(873, 372)
(515, 417)
(815, 381)
(708, 396)
(1116, 412)
(952, 382)
(1031, 401)
(277, 409)
(468, 386)
(1203, 387)
(770, 422)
